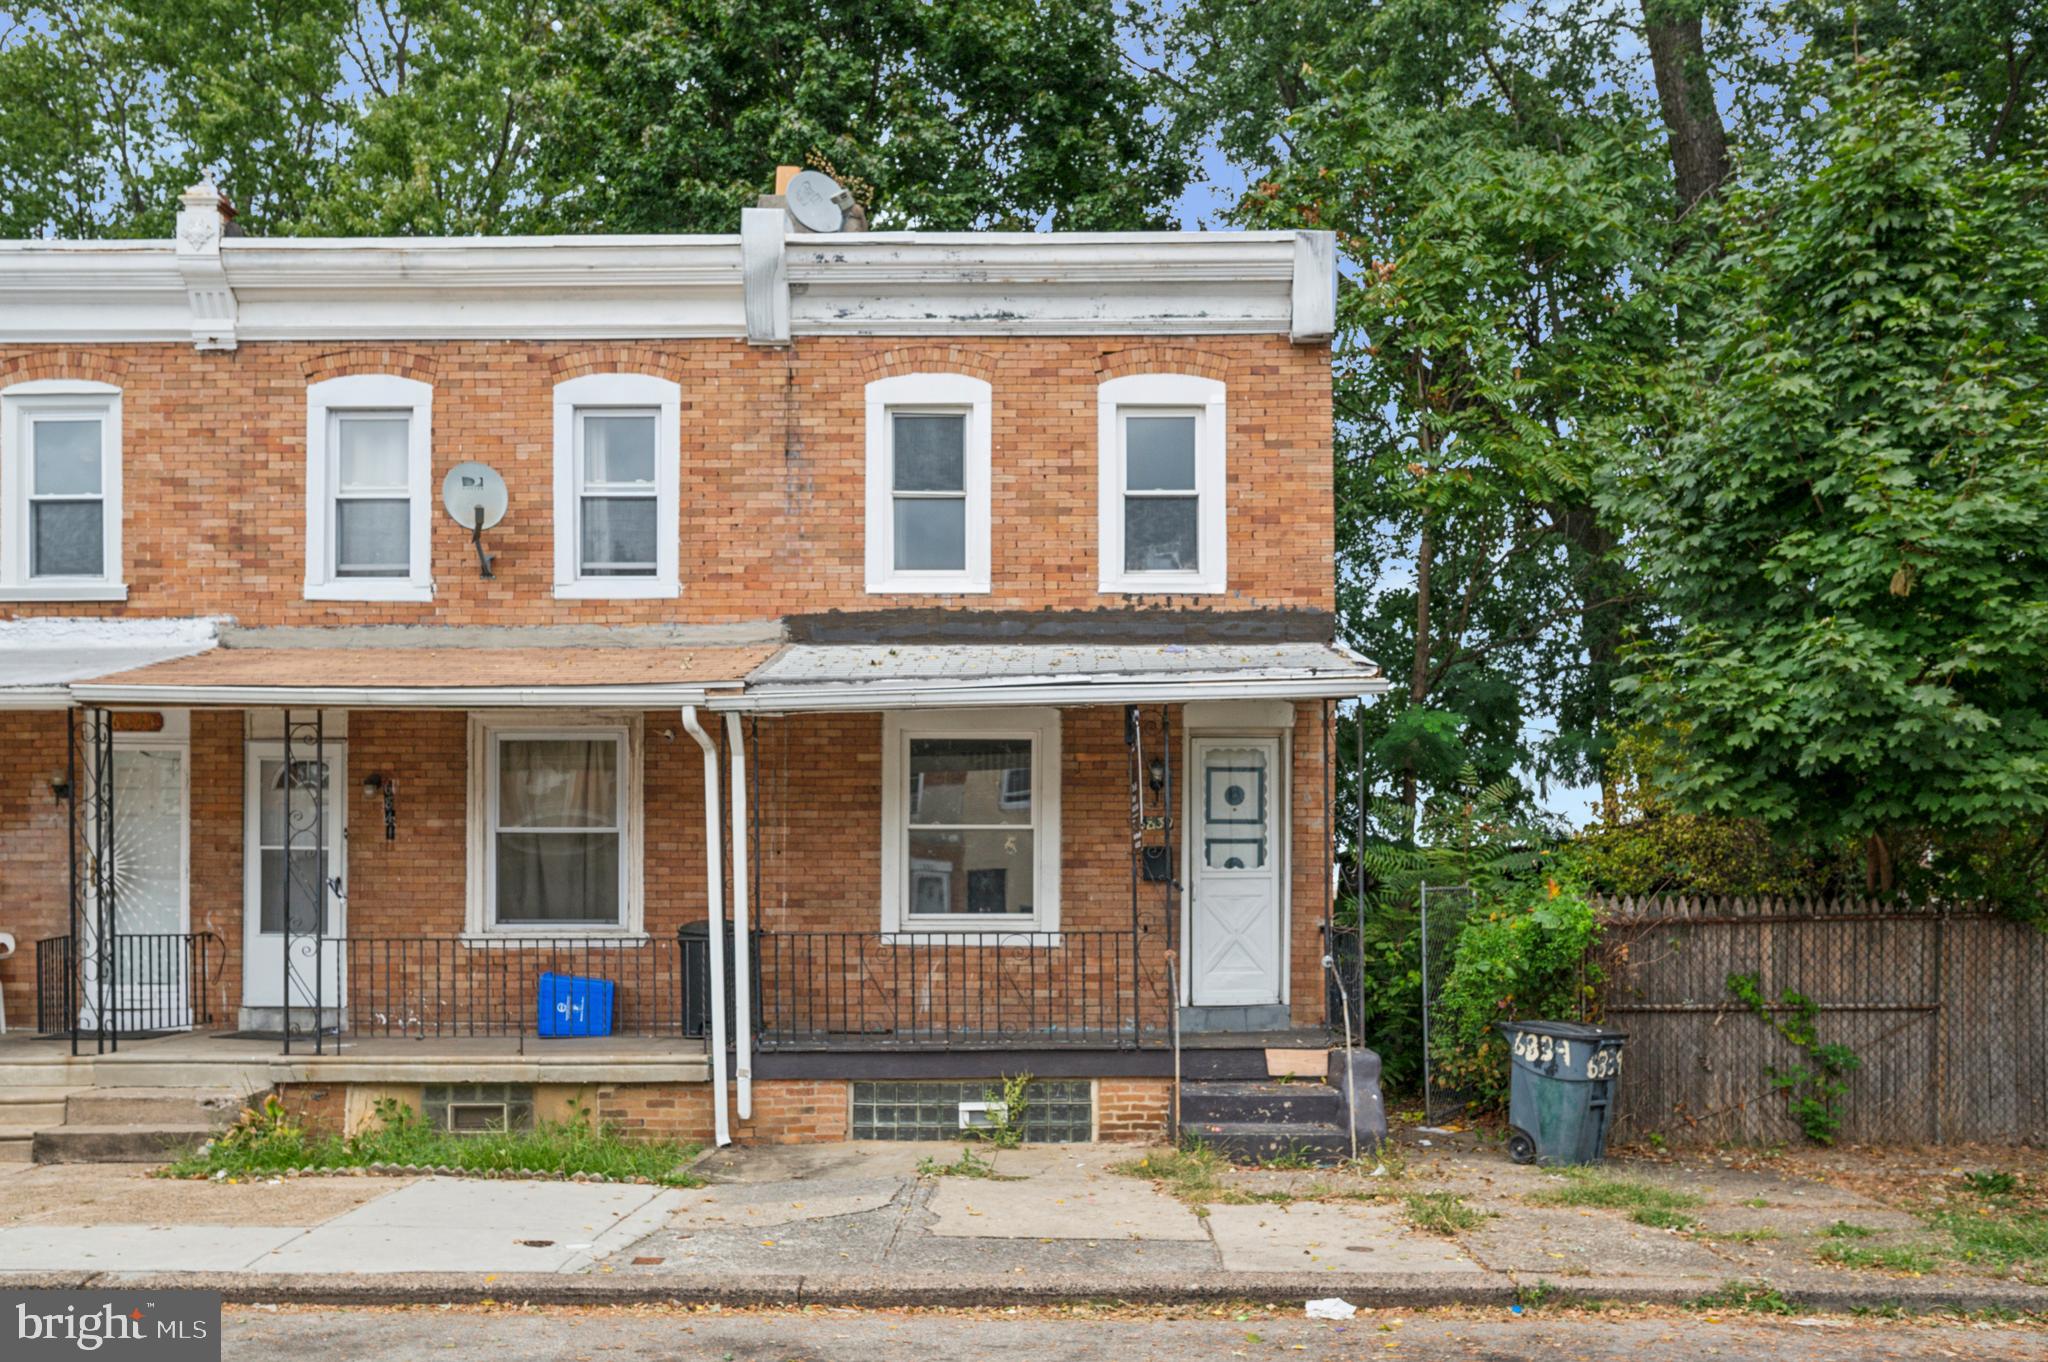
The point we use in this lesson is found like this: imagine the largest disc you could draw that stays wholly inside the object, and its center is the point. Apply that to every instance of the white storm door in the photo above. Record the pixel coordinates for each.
(1234, 928)
(152, 958)
(279, 840)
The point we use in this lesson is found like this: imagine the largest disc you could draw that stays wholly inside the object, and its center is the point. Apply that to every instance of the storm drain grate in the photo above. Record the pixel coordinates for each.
(1061, 1111)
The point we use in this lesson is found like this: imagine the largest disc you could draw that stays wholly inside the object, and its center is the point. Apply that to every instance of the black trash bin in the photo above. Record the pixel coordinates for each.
(1561, 1090)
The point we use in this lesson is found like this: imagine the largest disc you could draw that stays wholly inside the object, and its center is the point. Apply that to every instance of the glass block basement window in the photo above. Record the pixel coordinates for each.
(477, 1108)
(1061, 1111)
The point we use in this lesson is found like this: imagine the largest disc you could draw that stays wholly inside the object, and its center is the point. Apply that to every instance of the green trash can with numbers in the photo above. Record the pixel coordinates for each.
(1561, 1090)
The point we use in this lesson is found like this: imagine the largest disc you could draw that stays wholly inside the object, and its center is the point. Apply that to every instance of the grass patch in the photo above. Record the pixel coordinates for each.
(1757, 1203)
(1659, 1219)
(1883, 1258)
(1603, 1191)
(2002, 1238)
(968, 1165)
(1440, 1212)
(1192, 1173)
(1750, 1297)
(1294, 1158)
(1757, 1236)
(1991, 1184)
(1842, 1229)
(265, 1141)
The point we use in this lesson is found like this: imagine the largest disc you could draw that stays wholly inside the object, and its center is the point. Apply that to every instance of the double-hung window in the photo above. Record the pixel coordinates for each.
(971, 824)
(369, 469)
(555, 827)
(60, 482)
(1161, 523)
(928, 456)
(617, 486)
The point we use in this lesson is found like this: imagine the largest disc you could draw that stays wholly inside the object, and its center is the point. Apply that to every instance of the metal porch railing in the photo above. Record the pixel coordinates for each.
(953, 991)
(142, 983)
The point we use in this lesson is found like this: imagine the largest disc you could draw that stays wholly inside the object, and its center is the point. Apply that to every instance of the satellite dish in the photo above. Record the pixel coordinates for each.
(814, 201)
(475, 495)
(470, 488)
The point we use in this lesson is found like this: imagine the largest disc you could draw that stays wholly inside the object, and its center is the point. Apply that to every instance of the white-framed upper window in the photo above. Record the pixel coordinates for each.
(928, 439)
(618, 478)
(971, 821)
(369, 489)
(60, 486)
(555, 825)
(1161, 501)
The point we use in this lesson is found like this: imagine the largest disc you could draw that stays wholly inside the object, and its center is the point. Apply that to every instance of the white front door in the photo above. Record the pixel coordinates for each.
(1234, 921)
(280, 840)
(151, 957)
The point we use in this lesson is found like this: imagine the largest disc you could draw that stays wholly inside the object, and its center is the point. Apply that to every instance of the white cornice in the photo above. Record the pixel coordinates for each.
(244, 289)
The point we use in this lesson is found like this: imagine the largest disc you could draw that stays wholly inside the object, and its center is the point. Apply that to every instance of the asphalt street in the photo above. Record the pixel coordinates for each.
(408, 1334)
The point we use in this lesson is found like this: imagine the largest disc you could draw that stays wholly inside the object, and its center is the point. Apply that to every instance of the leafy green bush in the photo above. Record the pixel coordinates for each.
(1522, 954)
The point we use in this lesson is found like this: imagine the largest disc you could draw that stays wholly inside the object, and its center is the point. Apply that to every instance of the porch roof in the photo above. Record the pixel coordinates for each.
(813, 677)
(40, 659)
(434, 678)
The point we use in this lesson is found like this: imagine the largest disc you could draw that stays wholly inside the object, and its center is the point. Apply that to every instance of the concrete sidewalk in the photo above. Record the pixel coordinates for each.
(860, 1224)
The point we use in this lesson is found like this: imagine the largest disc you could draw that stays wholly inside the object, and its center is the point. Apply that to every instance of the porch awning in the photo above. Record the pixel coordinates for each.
(41, 659)
(435, 678)
(811, 677)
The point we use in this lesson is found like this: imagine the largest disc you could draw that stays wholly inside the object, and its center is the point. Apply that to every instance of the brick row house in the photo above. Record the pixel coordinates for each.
(766, 686)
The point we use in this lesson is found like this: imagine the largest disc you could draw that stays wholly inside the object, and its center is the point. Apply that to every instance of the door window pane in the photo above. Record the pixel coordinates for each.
(1234, 809)
(289, 834)
(67, 458)
(1160, 534)
(372, 538)
(931, 534)
(1159, 453)
(67, 539)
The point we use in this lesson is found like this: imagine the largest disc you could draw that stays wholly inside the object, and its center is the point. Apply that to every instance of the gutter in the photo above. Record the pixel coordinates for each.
(396, 697)
(855, 695)
(714, 909)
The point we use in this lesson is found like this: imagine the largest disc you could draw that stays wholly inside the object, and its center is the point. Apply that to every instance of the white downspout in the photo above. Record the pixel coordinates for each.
(742, 982)
(715, 916)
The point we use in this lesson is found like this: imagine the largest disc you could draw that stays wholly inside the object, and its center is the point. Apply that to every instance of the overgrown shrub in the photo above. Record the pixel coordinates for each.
(1524, 953)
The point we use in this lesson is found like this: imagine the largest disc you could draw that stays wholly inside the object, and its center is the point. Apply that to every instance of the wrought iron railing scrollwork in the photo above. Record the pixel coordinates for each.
(303, 878)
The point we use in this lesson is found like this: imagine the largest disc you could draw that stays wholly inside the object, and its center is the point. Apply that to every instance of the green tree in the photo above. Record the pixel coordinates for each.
(1846, 527)
(450, 117)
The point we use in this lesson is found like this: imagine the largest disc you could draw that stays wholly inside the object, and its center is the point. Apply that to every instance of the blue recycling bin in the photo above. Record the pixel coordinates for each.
(573, 1006)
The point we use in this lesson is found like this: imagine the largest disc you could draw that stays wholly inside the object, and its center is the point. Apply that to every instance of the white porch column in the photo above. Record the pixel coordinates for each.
(715, 921)
(742, 982)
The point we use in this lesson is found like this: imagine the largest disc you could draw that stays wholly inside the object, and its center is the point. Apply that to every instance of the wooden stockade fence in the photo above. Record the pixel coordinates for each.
(1948, 1011)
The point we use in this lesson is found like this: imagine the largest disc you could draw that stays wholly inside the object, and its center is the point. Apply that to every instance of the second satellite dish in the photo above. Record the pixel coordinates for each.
(475, 496)
(814, 200)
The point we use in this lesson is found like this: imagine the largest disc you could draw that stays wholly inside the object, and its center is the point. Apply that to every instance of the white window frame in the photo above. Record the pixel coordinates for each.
(937, 393)
(1118, 397)
(598, 392)
(486, 731)
(1042, 727)
(21, 405)
(327, 400)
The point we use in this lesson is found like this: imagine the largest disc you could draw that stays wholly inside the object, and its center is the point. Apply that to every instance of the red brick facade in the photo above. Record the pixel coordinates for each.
(773, 469)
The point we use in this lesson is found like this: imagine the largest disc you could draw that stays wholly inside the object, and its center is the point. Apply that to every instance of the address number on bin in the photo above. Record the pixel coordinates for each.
(1542, 1049)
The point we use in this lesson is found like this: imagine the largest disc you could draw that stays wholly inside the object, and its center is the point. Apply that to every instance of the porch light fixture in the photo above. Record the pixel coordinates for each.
(1155, 774)
(376, 784)
(60, 789)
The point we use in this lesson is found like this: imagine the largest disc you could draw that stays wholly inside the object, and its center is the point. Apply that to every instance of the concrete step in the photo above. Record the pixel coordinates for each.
(1269, 1103)
(17, 1144)
(32, 1106)
(1266, 1141)
(119, 1144)
(58, 1071)
(206, 1107)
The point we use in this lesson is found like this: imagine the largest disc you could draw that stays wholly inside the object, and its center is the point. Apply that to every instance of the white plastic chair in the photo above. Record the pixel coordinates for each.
(6, 949)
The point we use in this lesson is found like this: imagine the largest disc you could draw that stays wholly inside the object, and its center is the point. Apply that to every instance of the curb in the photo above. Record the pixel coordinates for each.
(1381, 1291)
